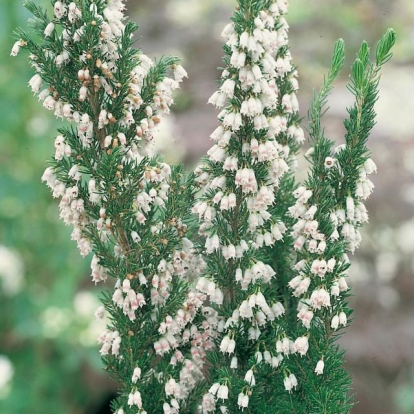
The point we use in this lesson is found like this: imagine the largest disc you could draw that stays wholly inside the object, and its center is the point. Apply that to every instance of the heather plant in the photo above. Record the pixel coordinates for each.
(244, 315)
(123, 205)
(277, 263)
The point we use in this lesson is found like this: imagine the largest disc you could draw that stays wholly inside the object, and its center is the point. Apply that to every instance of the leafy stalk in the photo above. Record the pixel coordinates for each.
(128, 208)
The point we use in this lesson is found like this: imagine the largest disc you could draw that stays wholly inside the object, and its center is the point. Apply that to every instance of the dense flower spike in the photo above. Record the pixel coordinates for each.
(120, 203)
(328, 212)
(254, 150)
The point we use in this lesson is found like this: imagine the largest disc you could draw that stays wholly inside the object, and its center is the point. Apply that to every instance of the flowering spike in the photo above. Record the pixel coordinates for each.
(120, 202)
(255, 148)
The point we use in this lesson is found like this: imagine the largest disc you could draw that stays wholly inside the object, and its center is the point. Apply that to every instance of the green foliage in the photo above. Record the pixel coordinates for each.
(327, 393)
(330, 392)
(316, 109)
(92, 82)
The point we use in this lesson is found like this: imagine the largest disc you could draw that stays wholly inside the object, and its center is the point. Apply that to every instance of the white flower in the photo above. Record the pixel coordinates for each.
(136, 375)
(228, 30)
(361, 213)
(224, 344)
(261, 300)
(320, 298)
(233, 121)
(267, 357)
(249, 378)
(286, 346)
(83, 92)
(116, 345)
(370, 166)
(299, 135)
(335, 235)
(243, 400)
(288, 384)
(310, 213)
(75, 173)
(209, 403)
(35, 83)
(100, 312)
(293, 380)
(301, 345)
(343, 286)
(62, 58)
(335, 322)
(335, 291)
(329, 162)
(126, 285)
(278, 309)
(179, 73)
(244, 39)
(240, 60)
(319, 367)
(214, 388)
(218, 99)
(295, 102)
(16, 48)
(331, 265)
(107, 141)
(228, 87)
(321, 247)
(212, 244)
(223, 392)
(364, 188)
(287, 103)
(49, 103)
(305, 316)
(232, 346)
(350, 208)
(59, 10)
(229, 252)
(283, 6)
(303, 287)
(294, 283)
(135, 237)
(49, 29)
(245, 310)
(137, 399)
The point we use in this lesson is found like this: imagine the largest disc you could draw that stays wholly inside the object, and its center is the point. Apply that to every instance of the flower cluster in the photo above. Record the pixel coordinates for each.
(322, 271)
(120, 202)
(327, 213)
(262, 290)
(255, 146)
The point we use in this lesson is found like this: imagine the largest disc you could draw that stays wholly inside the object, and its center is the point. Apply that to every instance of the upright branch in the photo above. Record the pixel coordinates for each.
(128, 209)
(328, 213)
(254, 149)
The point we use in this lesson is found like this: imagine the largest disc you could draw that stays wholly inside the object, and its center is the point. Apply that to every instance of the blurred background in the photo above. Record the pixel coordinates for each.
(49, 360)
